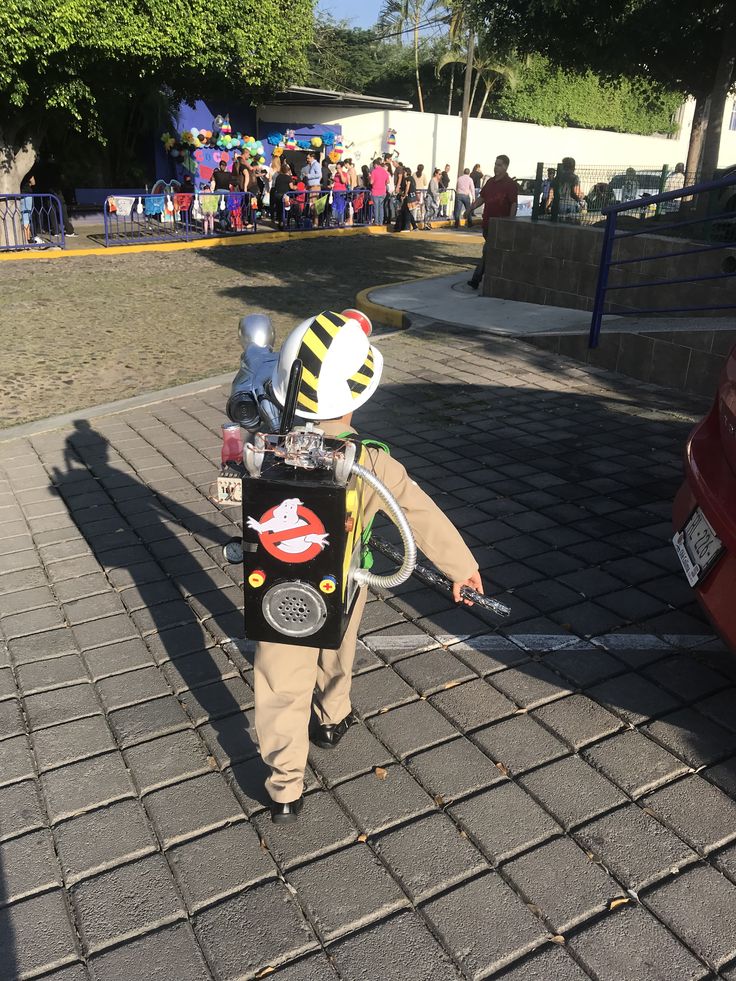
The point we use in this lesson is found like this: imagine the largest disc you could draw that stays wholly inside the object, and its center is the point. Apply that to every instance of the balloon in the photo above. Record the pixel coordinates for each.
(174, 153)
(194, 131)
(261, 160)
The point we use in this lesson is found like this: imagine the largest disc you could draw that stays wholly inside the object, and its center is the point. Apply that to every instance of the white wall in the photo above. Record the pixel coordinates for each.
(434, 140)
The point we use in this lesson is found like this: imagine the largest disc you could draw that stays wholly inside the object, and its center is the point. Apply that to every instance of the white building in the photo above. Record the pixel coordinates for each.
(434, 139)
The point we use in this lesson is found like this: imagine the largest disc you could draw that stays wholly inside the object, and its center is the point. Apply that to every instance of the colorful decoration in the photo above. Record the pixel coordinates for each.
(391, 138)
(334, 156)
(288, 141)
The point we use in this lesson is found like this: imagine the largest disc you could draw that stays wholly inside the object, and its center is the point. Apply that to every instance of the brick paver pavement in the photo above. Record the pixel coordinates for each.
(556, 798)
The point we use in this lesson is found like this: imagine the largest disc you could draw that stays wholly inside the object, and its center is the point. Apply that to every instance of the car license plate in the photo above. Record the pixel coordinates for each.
(697, 547)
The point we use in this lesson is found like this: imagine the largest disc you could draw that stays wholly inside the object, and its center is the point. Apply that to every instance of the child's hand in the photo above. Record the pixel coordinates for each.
(473, 581)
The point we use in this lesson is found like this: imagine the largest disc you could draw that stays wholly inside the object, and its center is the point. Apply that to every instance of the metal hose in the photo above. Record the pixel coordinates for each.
(363, 577)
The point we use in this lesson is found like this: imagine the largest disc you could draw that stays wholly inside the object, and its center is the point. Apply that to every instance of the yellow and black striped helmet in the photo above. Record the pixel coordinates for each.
(341, 368)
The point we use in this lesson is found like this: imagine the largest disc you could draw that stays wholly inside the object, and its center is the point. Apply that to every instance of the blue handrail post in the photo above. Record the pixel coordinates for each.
(609, 233)
(55, 201)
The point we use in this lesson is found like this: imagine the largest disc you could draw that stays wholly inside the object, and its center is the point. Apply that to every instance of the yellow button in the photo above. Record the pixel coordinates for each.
(328, 584)
(257, 578)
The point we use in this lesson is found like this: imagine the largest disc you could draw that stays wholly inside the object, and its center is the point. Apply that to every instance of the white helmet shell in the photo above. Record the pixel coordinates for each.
(341, 368)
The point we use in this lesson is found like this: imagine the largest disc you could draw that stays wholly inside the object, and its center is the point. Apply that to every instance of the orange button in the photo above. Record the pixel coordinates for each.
(257, 578)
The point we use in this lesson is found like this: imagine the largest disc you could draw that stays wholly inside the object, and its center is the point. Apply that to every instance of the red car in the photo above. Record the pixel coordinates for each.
(704, 512)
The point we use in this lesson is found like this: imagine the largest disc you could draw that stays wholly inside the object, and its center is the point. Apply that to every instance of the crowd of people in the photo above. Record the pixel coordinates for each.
(322, 193)
(563, 196)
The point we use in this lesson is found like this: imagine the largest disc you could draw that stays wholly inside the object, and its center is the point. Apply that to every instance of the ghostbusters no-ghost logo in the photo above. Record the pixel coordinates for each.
(290, 532)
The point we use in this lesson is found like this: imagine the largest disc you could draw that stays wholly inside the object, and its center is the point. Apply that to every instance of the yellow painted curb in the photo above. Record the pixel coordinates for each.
(378, 313)
(259, 238)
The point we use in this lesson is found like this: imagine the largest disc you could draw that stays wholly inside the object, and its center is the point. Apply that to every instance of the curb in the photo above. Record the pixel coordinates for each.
(378, 313)
(39, 426)
(264, 238)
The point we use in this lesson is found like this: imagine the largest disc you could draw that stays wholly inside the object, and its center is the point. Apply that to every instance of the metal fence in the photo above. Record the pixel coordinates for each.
(305, 210)
(709, 222)
(579, 196)
(176, 217)
(31, 221)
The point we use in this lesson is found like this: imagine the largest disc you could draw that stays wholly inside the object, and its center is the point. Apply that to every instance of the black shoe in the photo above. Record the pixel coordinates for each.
(286, 813)
(327, 737)
(472, 283)
(457, 223)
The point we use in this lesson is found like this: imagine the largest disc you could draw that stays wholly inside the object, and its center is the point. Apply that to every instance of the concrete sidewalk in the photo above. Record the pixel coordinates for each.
(550, 797)
(450, 300)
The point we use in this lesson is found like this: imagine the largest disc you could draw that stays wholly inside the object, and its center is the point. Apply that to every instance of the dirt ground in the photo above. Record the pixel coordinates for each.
(80, 332)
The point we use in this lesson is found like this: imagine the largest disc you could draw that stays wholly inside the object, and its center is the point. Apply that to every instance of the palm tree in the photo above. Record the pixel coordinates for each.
(489, 66)
(398, 15)
(456, 38)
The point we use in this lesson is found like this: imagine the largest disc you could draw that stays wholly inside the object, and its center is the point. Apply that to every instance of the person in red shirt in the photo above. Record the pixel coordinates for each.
(499, 197)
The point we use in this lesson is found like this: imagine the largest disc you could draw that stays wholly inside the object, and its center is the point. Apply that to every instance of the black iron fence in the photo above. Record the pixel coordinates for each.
(580, 195)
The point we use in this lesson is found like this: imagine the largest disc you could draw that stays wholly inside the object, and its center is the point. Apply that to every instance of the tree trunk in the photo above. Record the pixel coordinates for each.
(466, 102)
(474, 90)
(416, 60)
(489, 86)
(697, 132)
(452, 86)
(718, 96)
(17, 156)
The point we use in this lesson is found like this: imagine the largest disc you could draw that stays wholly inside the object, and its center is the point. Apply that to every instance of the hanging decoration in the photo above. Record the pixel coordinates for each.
(220, 137)
(288, 141)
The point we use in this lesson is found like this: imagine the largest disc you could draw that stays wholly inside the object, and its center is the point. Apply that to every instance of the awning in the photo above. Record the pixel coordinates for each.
(300, 95)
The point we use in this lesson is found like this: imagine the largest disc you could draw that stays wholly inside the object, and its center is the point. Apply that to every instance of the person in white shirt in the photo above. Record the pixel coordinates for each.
(464, 195)
(674, 182)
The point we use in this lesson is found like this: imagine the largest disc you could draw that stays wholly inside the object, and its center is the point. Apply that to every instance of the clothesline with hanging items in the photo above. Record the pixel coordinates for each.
(170, 213)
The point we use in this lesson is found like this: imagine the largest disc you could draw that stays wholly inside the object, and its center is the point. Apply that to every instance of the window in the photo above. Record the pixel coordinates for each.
(732, 120)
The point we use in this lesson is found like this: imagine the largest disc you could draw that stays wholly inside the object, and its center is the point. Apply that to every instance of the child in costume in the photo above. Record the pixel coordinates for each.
(342, 370)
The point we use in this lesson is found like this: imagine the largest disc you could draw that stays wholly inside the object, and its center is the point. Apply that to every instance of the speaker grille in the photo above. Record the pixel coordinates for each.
(295, 609)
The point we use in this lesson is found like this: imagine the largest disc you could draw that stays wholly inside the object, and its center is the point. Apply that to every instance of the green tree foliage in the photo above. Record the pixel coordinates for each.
(343, 58)
(354, 60)
(684, 47)
(552, 96)
(57, 54)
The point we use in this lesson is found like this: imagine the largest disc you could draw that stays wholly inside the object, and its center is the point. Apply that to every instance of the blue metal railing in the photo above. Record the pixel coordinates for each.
(652, 205)
(173, 216)
(31, 221)
(305, 210)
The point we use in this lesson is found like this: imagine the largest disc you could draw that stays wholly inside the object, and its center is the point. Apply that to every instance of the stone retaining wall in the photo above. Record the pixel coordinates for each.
(689, 361)
(557, 264)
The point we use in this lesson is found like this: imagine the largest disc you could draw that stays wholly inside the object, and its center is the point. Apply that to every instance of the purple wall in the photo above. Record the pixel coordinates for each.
(201, 114)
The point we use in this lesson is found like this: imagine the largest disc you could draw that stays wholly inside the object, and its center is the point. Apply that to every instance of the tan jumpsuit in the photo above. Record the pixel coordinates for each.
(290, 680)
